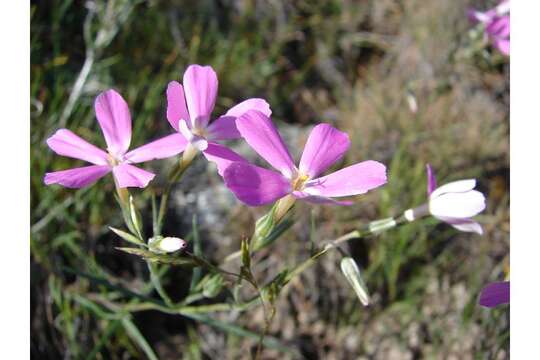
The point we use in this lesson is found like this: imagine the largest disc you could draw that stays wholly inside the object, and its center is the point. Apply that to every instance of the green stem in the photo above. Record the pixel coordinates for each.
(175, 175)
(156, 282)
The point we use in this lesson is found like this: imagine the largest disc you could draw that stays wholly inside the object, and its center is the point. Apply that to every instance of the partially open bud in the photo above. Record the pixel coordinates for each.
(161, 244)
(354, 277)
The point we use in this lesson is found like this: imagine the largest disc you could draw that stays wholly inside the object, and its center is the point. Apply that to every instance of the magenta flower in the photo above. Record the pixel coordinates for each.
(189, 108)
(456, 202)
(114, 119)
(497, 25)
(495, 293)
(256, 186)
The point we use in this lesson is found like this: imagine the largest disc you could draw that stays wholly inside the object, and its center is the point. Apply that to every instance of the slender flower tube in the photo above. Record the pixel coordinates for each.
(454, 203)
(114, 119)
(257, 186)
(495, 293)
(189, 108)
(496, 24)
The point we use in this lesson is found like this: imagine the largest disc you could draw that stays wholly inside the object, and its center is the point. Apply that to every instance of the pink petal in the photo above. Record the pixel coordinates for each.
(176, 104)
(255, 186)
(454, 187)
(165, 147)
(222, 156)
(458, 205)
(131, 176)
(494, 294)
(224, 127)
(77, 177)
(481, 17)
(499, 27)
(431, 180)
(264, 138)
(465, 225)
(66, 143)
(250, 104)
(352, 180)
(319, 200)
(200, 86)
(113, 116)
(324, 147)
(503, 46)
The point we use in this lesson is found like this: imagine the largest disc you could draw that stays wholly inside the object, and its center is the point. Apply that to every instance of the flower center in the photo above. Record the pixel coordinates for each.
(113, 160)
(199, 132)
(299, 181)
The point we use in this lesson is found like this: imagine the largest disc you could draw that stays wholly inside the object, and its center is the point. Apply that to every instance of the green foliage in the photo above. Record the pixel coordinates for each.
(348, 63)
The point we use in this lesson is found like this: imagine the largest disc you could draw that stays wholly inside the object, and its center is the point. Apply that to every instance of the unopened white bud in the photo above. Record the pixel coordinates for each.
(167, 244)
(353, 275)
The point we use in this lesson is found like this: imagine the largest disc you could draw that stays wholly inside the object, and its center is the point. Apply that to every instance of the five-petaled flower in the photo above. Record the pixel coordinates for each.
(495, 293)
(496, 24)
(114, 119)
(454, 203)
(189, 108)
(257, 186)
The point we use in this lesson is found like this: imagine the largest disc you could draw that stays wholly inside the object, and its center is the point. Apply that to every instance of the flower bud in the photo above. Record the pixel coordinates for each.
(166, 244)
(354, 277)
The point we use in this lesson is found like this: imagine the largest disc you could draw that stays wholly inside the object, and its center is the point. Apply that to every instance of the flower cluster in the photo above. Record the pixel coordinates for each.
(189, 109)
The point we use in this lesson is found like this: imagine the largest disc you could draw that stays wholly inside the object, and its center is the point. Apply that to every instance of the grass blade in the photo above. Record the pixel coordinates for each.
(136, 336)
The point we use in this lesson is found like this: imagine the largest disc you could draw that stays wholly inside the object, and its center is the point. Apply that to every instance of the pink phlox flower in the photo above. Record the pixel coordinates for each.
(496, 23)
(257, 186)
(114, 119)
(455, 203)
(189, 109)
(495, 293)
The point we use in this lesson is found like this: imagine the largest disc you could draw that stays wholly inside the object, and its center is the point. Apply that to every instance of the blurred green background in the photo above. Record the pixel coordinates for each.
(410, 81)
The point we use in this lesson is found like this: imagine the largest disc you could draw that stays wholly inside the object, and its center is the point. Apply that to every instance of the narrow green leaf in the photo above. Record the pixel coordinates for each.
(268, 341)
(161, 258)
(127, 236)
(135, 217)
(104, 339)
(136, 336)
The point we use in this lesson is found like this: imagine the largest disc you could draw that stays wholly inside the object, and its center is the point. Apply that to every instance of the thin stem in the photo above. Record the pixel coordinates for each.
(175, 175)
(156, 282)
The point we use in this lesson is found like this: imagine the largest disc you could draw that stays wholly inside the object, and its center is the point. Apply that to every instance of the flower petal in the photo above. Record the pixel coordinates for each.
(165, 147)
(255, 186)
(454, 187)
(503, 45)
(494, 294)
(77, 177)
(176, 104)
(465, 225)
(263, 137)
(131, 176)
(431, 180)
(324, 147)
(222, 156)
(200, 86)
(499, 27)
(458, 205)
(114, 119)
(352, 180)
(66, 143)
(319, 200)
(224, 127)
